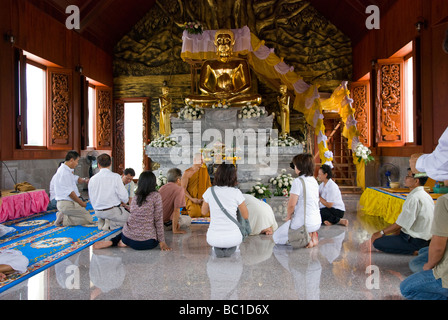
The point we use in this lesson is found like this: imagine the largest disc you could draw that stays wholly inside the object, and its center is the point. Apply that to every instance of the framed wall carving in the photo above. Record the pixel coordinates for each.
(104, 118)
(60, 105)
(119, 137)
(360, 93)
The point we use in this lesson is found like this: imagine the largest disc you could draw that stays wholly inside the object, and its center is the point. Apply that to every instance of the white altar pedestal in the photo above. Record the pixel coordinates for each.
(258, 162)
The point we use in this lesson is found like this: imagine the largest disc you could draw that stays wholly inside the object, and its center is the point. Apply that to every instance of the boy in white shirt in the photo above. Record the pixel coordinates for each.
(127, 177)
(332, 207)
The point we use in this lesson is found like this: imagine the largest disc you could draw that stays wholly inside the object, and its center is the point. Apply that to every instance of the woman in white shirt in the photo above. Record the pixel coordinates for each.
(331, 205)
(223, 234)
(304, 168)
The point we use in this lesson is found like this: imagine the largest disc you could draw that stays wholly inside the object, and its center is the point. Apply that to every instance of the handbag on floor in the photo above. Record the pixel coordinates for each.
(299, 238)
(243, 224)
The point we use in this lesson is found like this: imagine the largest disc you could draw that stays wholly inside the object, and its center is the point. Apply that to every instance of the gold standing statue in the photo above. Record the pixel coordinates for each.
(226, 77)
(283, 101)
(165, 112)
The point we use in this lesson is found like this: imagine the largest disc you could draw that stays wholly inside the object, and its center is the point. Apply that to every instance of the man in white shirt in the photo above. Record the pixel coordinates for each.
(107, 194)
(412, 230)
(52, 205)
(71, 208)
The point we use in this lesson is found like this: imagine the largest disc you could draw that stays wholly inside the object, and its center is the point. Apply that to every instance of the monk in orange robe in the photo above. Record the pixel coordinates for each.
(195, 181)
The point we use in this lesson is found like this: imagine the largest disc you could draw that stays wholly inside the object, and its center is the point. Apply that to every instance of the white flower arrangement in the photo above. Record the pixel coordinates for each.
(193, 27)
(222, 104)
(283, 141)
(282, 183)
(161, 180)
(251, 112)
(363, 153)
(163, 142)
(260, 191)
(190, 112)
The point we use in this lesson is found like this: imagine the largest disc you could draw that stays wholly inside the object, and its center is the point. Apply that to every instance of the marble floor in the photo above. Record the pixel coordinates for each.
(342, 267)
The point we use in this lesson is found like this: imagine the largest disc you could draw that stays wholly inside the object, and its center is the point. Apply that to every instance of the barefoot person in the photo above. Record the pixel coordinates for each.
(223, 234)
(304, 168)
(331, 205)
(144, 228)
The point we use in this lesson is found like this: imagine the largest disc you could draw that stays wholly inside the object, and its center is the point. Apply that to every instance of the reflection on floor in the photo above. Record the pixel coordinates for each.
(342, 267)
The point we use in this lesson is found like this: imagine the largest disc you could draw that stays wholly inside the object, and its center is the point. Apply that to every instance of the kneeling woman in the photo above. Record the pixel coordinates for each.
(304, 168)
(223, 234)
(144, 228)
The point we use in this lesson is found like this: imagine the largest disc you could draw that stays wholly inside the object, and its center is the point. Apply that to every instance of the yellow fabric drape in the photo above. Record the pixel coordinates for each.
(379, 204)
(197, 185)
(360, 173)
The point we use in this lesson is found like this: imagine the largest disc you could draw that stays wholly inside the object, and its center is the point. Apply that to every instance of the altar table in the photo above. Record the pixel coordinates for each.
(385, 202)
(23, 204)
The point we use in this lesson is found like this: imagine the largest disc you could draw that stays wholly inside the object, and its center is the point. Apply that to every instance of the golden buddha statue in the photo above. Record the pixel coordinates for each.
(165, 112)
(283, 101)
(225, 78)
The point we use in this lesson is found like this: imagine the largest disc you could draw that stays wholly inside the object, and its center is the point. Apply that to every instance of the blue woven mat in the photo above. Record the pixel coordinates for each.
(44, 244)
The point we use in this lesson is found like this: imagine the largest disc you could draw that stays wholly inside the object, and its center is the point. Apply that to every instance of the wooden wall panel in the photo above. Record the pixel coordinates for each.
(396, 30)
(41, 34)
(96, 63)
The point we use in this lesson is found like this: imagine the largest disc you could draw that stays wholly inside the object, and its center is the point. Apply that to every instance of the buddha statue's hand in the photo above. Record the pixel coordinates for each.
(223, 95)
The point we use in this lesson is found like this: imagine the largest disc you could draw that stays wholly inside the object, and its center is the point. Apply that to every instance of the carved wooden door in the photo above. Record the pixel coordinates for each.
(390, 108)
(119, 137)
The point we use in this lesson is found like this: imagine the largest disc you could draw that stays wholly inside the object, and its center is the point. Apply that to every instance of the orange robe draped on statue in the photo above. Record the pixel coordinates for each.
(197, 185)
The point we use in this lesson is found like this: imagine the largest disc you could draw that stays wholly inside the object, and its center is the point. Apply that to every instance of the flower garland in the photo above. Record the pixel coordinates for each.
(190, 112)
(363, 153)
(249, 111)
(283, 141)
(260, 191)
(163, 142)
(193, 27)
(282, 183)
(161, 180)
(221, 104)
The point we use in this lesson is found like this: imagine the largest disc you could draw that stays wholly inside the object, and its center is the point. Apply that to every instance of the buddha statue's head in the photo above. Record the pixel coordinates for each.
(165, 90)
(283, 88)
(224, 41)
